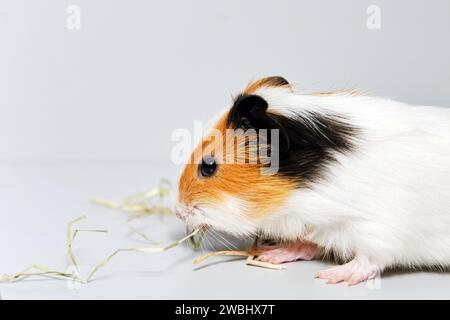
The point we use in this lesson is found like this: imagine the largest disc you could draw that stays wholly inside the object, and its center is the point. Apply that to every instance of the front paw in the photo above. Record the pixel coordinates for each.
(356, 271)
(277, 255)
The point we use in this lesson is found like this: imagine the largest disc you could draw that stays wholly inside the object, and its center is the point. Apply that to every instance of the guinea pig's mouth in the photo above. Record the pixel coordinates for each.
(185, 213)
(202, 227)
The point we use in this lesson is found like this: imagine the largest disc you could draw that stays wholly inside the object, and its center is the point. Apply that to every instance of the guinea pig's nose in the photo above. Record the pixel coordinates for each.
(181, 212)
(178, 213)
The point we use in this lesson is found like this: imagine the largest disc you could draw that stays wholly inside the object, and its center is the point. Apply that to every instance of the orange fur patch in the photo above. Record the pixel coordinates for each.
(263, 193)
(265, 82)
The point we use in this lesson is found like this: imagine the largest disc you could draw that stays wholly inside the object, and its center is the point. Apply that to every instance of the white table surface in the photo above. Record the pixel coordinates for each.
(38, 199)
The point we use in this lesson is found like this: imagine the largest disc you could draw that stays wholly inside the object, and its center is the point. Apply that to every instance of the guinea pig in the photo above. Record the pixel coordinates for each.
(363, 178)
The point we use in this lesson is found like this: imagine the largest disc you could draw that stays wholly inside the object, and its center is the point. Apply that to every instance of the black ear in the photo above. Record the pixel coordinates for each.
(250, 112)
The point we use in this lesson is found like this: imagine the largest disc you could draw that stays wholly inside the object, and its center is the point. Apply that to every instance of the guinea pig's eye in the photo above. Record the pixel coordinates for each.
(208, 166)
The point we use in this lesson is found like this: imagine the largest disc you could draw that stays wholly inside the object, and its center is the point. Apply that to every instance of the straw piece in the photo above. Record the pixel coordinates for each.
(141, 234)
(250, 254)
(252, 262)
(196, 243)
(142, 250)
(43, 271)
(70, 238)
(224, 253)
(138, 204)
(141, 203)
(131, 208)
(106, 203)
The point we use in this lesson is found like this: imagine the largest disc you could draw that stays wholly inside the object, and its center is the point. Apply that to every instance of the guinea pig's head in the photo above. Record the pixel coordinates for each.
(225, 189)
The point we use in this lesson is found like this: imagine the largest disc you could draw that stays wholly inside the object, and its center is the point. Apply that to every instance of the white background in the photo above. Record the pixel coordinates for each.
(136, 70)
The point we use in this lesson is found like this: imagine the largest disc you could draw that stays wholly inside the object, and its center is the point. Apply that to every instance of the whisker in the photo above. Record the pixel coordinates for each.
(215, 237)
(232, 245)
(209, 243)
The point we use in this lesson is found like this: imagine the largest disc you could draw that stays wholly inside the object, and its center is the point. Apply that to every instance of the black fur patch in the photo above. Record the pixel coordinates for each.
(307, 141)
(313, 140)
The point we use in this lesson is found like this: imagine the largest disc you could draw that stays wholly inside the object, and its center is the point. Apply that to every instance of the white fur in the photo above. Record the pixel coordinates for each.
(228, 216)
(389, 200)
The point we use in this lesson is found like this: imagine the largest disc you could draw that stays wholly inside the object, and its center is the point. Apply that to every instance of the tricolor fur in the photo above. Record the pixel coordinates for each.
(360, 176)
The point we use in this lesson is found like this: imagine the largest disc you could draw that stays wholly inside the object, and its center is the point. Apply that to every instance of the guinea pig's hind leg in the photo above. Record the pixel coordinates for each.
(299, 251)
(357, 270)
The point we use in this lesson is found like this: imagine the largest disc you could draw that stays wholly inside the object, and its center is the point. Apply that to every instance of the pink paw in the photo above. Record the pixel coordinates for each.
(305, 251)
(353, 272)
